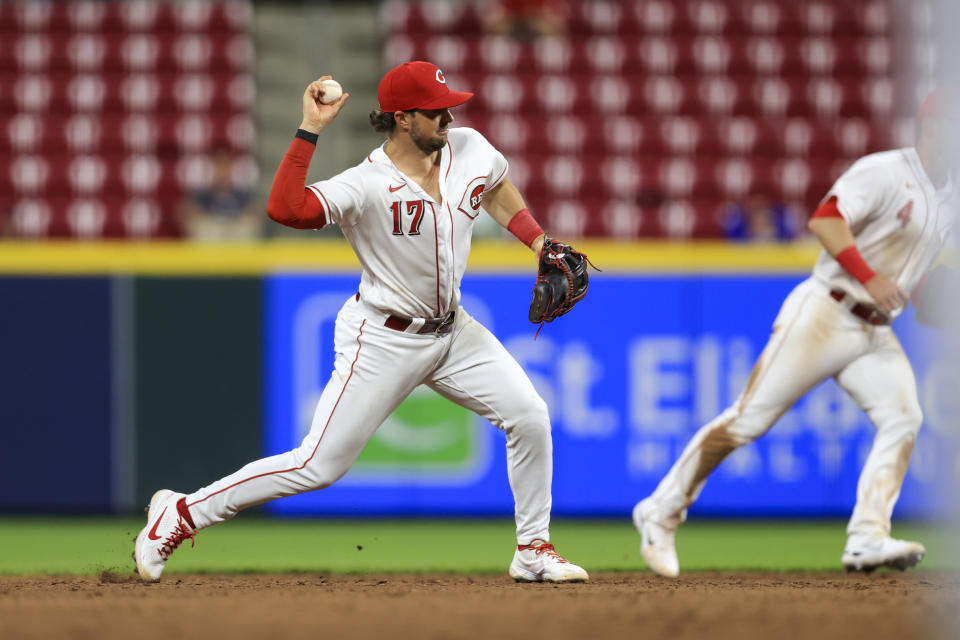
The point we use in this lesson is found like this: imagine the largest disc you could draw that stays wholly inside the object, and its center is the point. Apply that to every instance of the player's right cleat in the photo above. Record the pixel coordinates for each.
(867, 554)
(164, 532)
(540, 562)
(657, 544)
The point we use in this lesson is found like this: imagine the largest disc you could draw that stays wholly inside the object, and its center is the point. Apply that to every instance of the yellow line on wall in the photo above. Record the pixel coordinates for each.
(181, 258)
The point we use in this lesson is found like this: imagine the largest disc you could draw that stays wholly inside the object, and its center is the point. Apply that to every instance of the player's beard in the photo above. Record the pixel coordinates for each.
(427, 144)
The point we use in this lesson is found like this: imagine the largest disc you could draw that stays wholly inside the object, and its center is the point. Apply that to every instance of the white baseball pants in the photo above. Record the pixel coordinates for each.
(375, 368)
(813, 337)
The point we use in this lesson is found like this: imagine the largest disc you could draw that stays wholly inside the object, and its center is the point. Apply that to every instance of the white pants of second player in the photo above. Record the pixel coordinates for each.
(375, 368)
(814, 337)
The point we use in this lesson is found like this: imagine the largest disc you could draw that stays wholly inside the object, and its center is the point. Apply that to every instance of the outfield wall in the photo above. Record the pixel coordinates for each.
(123, 369)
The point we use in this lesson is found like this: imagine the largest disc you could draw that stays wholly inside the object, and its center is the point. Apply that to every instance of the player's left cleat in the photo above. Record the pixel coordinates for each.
(867, 554)
(657, 544)
(540, 562)
(164, 532)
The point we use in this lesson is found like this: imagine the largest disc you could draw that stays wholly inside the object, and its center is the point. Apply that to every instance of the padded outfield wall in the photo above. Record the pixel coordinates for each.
(125, 368)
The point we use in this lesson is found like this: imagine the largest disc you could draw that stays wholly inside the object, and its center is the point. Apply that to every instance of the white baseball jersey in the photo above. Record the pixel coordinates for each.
(899, 219)
(413, 249)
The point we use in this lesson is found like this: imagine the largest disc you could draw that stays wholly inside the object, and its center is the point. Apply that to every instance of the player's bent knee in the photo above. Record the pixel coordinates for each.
(916, 414)
(732, 427)
(321, 475)
(907, 417)
(913, 417)
(531, 425)
(536, 416)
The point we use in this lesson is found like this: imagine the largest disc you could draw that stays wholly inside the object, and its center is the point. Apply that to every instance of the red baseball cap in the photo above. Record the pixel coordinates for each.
(417, 85)
(943, 102)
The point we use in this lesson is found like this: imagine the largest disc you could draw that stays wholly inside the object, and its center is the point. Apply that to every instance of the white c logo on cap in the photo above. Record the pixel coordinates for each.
(440, 77)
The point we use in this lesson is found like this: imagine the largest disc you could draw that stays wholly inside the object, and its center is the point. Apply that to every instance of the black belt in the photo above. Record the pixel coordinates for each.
(863, 311)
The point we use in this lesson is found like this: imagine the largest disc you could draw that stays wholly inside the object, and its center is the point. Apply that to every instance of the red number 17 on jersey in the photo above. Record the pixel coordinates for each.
(415, 209)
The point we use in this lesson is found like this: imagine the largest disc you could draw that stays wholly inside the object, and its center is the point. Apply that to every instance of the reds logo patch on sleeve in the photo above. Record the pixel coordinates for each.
(473, 197)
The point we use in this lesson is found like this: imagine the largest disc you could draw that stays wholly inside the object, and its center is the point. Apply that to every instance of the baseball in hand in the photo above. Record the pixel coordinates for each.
(331, 91)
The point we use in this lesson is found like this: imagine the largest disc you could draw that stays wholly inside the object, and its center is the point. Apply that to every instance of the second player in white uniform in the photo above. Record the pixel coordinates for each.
(408, 211)
(882, 225)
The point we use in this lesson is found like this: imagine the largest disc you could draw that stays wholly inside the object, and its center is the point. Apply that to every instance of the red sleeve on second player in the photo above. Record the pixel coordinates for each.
(828, 209)
(290, 202)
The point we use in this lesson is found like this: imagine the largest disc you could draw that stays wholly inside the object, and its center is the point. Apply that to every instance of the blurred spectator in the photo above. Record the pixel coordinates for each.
(760, 219)
(526, 18)
(222, 211)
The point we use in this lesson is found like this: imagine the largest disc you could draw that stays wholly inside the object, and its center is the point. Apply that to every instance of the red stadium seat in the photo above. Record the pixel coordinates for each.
(87, 218)
(708, 16)
(712, 55)
(628, 136)
(876, 55)
(450, 53)
(564, 175)
(88, 175)
(501, 54)
(772, 97)
(601, 18)
(762, 18)
(622, 219)
(142, 218)
(819, 55)
(663, 95)
(736, 136)
(676, 177)
(657, 55)
(766, 55)
(656, 16)
(139, 51)
(676, 219)
(568, 217)
(622, 177)
(817, 17)
(554, 55)
(23, 133)
(721, 96)
(606, 55)
(612, 96)
(26, 174)
(680, 136)
(32, 218)
(733, 178)
(874, 16)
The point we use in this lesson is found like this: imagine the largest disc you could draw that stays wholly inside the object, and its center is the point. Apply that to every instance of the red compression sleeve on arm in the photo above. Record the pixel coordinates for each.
(854, 264)
(850, 258)
(290, 202)
(828, 209)
(524, 227)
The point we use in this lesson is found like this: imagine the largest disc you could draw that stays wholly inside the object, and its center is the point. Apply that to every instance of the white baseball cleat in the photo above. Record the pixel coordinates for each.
(164, 532)
(540, 562)
(866, 554)
(657, 544)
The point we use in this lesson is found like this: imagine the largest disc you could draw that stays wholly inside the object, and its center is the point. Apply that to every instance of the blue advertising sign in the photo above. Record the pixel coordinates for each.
(629, 376)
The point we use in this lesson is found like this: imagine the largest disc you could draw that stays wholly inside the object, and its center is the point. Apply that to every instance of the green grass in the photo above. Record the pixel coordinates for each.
(91, 545)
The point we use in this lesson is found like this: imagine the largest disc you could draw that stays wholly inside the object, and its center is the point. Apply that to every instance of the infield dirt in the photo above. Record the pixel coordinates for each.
(396, 607)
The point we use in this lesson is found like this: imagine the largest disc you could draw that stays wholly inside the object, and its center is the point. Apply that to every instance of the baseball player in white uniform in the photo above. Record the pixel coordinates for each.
(882, 226)
(408, 211)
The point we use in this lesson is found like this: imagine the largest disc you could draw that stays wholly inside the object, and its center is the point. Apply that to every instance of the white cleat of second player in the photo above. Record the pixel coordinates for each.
(540, 562)
(657, 544)
(867, 554)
